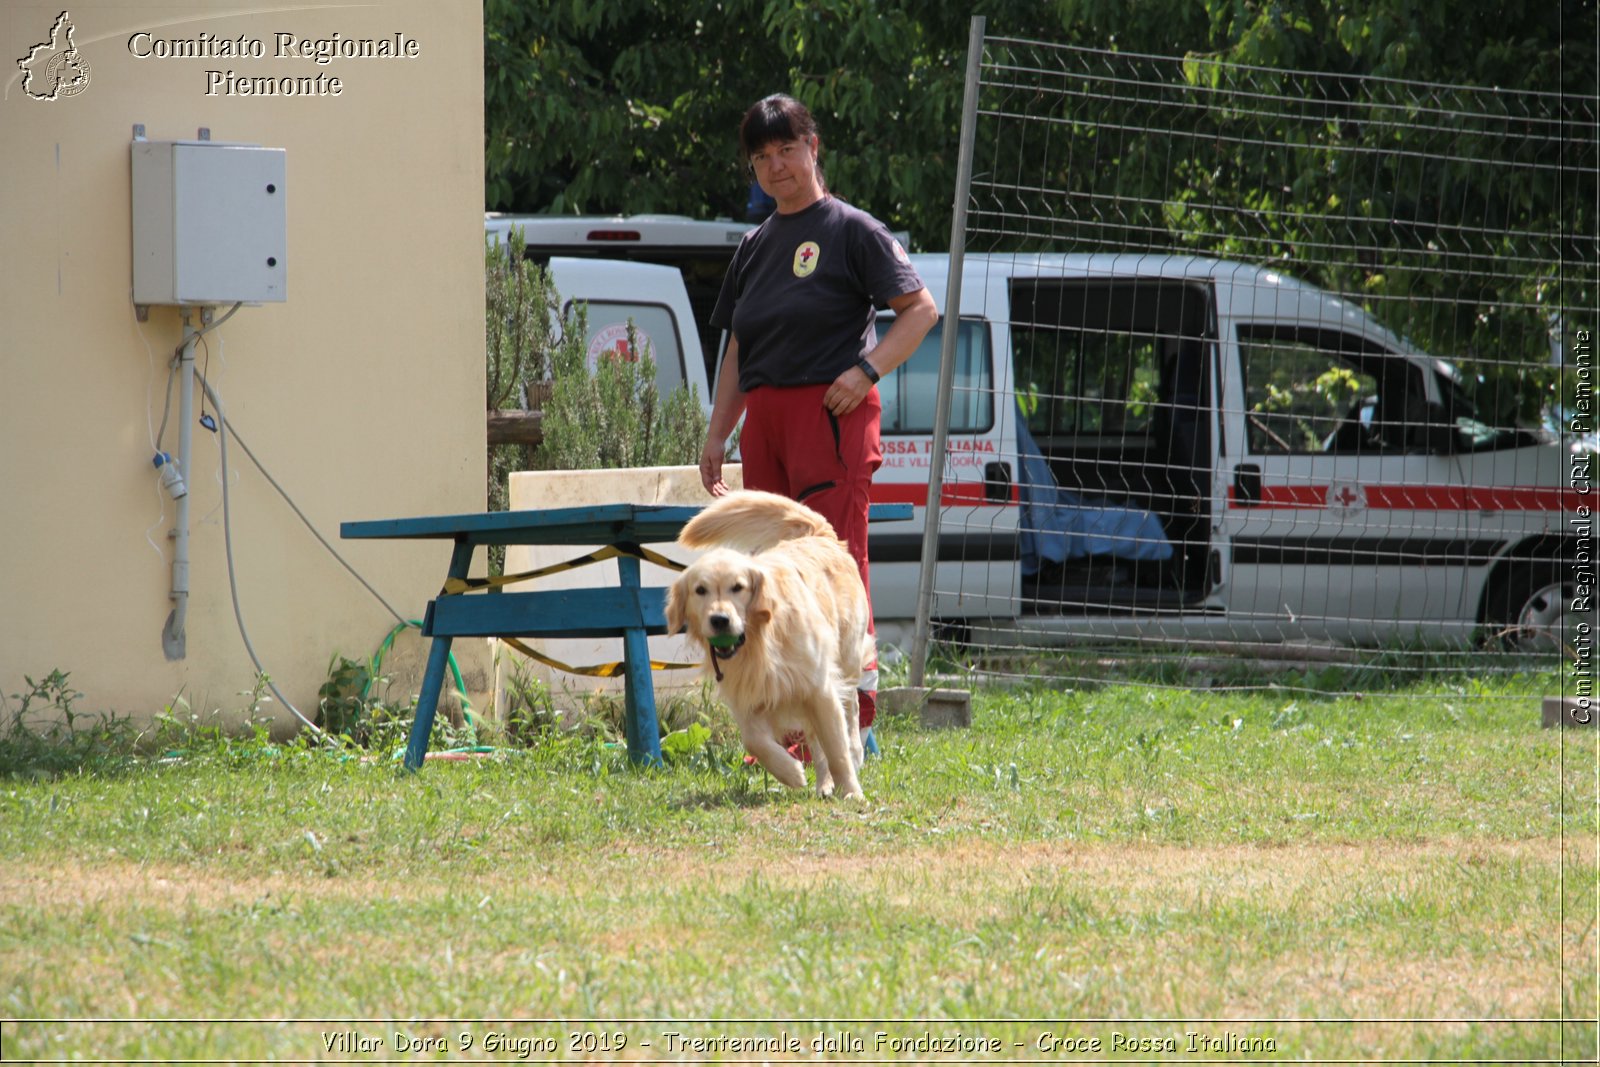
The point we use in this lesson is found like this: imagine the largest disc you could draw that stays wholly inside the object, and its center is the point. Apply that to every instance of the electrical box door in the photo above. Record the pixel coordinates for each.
(209, 223)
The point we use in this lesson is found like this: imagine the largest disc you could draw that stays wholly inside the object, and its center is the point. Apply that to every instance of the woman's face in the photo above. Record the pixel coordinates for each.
(787, 171)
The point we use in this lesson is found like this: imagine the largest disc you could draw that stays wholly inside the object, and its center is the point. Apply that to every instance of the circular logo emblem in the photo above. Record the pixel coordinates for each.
(1346, 496)
(611, 343)
(805, 259)
(54, 69)
(68, 73)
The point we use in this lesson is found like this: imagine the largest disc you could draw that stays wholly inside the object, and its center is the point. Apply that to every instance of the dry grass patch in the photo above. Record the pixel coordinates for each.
(1140, 873)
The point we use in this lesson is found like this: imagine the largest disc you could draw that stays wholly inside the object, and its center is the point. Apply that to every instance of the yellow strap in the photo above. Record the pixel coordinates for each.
(599, 555)
(603, 670)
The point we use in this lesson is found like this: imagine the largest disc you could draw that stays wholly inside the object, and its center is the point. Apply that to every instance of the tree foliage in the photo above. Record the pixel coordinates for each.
(633, 106)
(604, 106)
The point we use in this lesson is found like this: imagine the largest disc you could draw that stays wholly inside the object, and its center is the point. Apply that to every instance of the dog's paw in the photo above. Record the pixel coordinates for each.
(829, 792)
(791, 772)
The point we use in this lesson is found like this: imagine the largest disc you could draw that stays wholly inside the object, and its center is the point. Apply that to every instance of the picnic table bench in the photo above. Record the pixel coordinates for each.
(627, 610)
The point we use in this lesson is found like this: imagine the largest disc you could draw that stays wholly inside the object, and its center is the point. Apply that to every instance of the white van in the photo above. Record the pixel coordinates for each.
(1169, 445)
(697, 253)
(648, 298)
(1163, 445)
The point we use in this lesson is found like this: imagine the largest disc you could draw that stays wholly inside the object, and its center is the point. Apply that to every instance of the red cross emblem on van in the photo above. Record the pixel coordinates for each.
(1346, 496)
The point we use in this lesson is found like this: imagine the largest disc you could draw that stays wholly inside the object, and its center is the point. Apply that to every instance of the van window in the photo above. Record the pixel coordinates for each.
(1094, 357)
(1086, 383)
(909, 393)
(1316, 390)
(655, 330)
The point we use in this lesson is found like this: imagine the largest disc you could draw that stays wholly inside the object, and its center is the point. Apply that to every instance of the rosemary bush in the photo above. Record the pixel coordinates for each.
(609, 419)
(615, 416)
(521, 332)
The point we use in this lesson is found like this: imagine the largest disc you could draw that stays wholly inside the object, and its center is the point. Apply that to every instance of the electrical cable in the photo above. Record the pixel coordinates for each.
(222, 421)
(223, 429)
(166, 408)
(161, 498)
(155, 438)
(209, 423)
(233, 585)
(204, 421)
(172, 371)
(177, 353)
(150, 358)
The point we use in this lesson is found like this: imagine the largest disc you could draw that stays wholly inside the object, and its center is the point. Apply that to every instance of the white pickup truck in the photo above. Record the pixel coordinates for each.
(1168, 445)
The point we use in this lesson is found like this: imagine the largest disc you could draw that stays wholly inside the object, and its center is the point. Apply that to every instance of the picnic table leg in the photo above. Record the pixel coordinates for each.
(427, 703)
(639, 695)
(433, 676)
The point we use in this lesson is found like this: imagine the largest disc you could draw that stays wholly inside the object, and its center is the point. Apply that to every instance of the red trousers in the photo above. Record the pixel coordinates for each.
(794, 446)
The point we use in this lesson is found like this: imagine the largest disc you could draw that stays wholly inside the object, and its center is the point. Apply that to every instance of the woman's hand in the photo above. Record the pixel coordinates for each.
(914, 315)
(847, 392)
(711, 457)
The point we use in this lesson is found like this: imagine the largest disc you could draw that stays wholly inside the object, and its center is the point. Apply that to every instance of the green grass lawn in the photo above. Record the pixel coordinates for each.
(1079, 877)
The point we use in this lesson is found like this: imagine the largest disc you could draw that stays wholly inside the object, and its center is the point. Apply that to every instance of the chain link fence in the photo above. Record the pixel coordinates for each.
(1285, 371)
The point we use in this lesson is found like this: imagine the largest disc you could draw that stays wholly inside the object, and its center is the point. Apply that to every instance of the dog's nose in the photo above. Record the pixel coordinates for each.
(719, 623)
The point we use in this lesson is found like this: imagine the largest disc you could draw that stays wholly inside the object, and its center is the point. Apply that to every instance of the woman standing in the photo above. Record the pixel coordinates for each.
(800, 303)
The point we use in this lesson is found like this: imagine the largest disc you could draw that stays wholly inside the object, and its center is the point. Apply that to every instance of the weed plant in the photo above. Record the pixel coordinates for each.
(44, 735)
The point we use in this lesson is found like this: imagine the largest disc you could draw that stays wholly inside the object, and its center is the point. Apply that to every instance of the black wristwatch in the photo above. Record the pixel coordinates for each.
(868, 369)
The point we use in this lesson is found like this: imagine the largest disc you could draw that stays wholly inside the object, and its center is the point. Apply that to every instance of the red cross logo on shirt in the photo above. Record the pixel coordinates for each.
(806, 258)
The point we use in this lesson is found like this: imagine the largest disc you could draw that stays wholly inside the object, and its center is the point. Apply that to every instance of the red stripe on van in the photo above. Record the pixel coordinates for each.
(1415, 497)
(1523, 498)
(953, 494)
(1422, 498)
(1287, 496)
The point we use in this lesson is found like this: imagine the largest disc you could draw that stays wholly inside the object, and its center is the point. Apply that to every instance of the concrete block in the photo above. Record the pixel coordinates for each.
(934, 708)
(1568, 711)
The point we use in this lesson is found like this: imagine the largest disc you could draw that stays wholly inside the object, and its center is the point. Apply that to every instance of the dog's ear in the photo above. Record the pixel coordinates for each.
(759, 611)
(676, 595)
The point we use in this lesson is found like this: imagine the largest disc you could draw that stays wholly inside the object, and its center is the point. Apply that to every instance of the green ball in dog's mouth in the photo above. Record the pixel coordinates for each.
(723, 641)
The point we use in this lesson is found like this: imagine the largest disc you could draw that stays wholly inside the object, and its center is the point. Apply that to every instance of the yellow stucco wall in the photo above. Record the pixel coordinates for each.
(362, 393)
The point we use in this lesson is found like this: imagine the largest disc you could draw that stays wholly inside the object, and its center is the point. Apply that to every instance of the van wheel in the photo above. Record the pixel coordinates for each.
(1527, 608)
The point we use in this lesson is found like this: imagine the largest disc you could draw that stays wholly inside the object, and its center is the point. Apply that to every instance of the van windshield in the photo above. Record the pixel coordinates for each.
(909, 393)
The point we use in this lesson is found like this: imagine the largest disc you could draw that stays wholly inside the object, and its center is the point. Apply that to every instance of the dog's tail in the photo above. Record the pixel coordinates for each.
(753, 521)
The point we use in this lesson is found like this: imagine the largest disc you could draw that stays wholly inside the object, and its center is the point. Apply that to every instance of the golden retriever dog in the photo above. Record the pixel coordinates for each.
(778, 607)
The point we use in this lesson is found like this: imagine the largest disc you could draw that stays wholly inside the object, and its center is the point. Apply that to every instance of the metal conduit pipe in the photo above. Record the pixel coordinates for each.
(173, 634)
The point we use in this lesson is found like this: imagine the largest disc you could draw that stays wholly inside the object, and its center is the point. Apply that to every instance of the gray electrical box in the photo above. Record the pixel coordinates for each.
(209, 223)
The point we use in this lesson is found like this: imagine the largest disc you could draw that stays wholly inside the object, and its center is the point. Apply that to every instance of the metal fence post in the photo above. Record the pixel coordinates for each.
(947, 354)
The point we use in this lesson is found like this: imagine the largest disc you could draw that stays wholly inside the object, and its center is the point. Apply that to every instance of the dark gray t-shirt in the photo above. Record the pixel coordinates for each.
(801, 291)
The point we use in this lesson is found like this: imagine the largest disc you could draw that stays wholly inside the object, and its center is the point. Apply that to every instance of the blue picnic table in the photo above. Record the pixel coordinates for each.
(628, 609)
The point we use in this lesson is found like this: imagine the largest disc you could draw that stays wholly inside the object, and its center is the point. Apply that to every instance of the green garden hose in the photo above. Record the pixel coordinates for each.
(388, 643)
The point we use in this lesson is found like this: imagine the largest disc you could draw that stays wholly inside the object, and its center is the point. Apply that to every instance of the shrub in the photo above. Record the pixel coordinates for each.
(610, 419)
(520, 335)
(614, 417)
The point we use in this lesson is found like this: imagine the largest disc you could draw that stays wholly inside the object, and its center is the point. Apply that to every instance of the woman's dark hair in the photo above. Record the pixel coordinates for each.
(776, 118)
